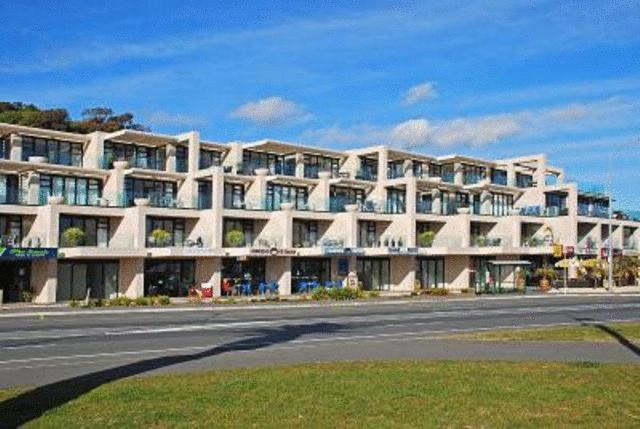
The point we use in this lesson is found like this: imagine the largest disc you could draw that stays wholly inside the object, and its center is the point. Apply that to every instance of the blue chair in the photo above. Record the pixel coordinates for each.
(314, 285)
(329, 284)
(246, 288)
(302, 286)
(273, 287)
(262, 288)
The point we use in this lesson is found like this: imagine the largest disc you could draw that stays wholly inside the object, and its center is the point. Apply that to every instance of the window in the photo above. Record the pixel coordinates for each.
(340, 197)
(421, 170)
(374, 273)
(473, 174)
(435, 170)
(558, 201)
(150, 158)
(174, 228)
(305, 233)
(96, 231)
(313, 164)
(243, 225)
(447, 173)
(233, 196)
(10, 230)
(498, 177)
(209, 158)
(5, 147)
(205, 196)
(275, 163)
(394, 169)
(55, 151)
(368, 169)
(501, 204)
(75, 278)
(430, 272)
(524, 180)
(9, 189)
(424, 203)
(367, 234)
(182, 159)
(395, 201)
(160, 193)
(172, 277)
(309, 269)
(278, 194)
(75, 190)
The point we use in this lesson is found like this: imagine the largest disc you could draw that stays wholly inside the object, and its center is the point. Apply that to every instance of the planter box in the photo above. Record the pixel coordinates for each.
(141, 202)
(55, 200)
(38, 159)
(464, 210)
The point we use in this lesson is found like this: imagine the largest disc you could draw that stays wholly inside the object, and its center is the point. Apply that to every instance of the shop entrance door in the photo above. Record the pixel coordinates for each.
(15, 280)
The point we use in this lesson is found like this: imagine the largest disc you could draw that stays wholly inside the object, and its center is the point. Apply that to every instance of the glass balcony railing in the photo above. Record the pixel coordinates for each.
(367, 174)
(599, 212)
(486, 241)
(424, 207)
(472, 179)
(448, 177)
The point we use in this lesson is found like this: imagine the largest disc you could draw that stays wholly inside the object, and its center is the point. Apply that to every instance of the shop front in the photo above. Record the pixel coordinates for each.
(15, 266)
(171, 277)
(309, 272)
(242, 275)
(374, 273)
(96, 278)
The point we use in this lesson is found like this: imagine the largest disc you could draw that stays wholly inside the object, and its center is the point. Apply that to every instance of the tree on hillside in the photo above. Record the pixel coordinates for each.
(93, 119)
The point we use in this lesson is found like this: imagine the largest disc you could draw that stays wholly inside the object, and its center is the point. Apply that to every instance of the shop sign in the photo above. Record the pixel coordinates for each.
(558, 251)
(343, 251)
(403, 250)
(273, 251)
(27, 253)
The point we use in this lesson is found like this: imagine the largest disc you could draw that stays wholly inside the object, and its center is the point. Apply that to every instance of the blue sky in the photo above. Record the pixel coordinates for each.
(489, 79)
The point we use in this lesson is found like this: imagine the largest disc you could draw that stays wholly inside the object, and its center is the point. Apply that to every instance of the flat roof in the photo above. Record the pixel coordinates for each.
(284, 148)
(42, 133)
(141, 137)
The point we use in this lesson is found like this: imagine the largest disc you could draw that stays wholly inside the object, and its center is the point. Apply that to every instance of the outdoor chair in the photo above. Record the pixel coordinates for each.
(302, 286)
(273, 287)
(262, 288)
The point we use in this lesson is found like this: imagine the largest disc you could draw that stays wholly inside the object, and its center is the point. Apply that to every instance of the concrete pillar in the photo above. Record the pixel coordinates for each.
(486, 203)
(208, 270)
(284, 219)
(113, 189)
(93, 153)
(403, 273)
(16, 148)
(351, 231)
(44, 280)
(234, 157)
(193, 142)
(436, 201)
(383, 159)
(458, 174)
(299, 164)
(257, 193)
(217, 202)
(410, 216)
(511, 175)
(171, 158)
(319, 199)
(33, 188)
(278, 269)
(131, 277)
(540, 175)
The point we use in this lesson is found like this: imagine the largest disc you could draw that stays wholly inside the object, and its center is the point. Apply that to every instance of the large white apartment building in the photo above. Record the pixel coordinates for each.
(138, 213)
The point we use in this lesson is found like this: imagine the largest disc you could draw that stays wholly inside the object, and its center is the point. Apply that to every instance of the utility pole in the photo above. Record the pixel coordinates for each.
(610, 256)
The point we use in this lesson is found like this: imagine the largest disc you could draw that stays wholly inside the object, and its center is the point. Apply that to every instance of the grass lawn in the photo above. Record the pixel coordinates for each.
(631, 331)
(359, 394)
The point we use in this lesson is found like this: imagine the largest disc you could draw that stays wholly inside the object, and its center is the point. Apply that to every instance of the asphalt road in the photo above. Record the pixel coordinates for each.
(36, 351)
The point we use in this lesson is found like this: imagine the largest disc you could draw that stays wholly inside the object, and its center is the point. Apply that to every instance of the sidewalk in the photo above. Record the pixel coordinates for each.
(599, 291)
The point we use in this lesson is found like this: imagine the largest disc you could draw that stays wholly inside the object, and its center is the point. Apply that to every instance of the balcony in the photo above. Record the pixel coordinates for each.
(424, 207)
(472, 178)
(448, 177)
(13, 196)
(540, 211)
(592, 211)
(249, 168)
(485, 241)
(367, 174)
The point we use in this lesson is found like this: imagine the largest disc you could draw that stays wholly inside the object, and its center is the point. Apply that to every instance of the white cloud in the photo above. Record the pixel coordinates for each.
(271, 111)
(415, 94)
(413, 132)
(482, 130)
(175, 119)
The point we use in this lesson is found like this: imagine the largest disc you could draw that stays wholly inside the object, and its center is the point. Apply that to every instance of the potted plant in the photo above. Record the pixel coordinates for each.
(234, 238)
(546, 274)
(160, 237)
(72, 237)
(425, 238)
(480, 241)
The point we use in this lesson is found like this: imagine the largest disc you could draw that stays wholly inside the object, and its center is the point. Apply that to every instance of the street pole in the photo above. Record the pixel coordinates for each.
(610, 256)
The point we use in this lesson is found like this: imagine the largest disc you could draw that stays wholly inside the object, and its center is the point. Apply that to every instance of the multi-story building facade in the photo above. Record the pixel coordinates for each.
(138, 213)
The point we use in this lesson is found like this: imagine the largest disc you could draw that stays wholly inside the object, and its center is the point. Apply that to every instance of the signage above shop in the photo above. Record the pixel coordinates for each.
(343, 251)
(403, 250)
(273, 251)
(27, 253)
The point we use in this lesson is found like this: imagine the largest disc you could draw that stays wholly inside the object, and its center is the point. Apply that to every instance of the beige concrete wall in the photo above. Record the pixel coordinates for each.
(131, 277)
(456, 272)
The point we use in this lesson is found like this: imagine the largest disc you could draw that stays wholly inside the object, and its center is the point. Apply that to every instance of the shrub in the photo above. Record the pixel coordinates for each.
(234, 238)
(121, 301)
(374, 294)
(95, 303)
(425, 238)
(72, 237)
(320, 293)
(163, 300)
(436, 292)
(160, 237)
(141, 301)
(73, 303)
(466, 291)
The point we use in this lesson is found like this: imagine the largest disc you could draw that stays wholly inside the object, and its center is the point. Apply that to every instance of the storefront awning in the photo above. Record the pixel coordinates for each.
(510, 263)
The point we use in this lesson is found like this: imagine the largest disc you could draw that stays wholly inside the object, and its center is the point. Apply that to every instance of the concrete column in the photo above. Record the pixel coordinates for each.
(257, 192)
(540, 174)
(321, 194)
(93, 153)
(171, 158)
(403, 273)
(208, 270)
(217, 188)
(351, 232)
(511, 175)
(299, 164)
(193, 139)
(486, 203)
(113, 189)
(16, 148)
(436, 201)
(410, 216)
(278, 269)
(285, 224)
(44, 280)
(383, 159)
(458, 174)
(234, 157)
(33, 188)
(135, 218)
(131, 277)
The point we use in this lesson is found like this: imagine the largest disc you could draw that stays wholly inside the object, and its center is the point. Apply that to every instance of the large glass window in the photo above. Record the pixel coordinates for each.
(430, 272)
(152, 158)
(75, 278)
(55, 151)
(9, 189)
(75, 190)
(168, 277)
(10, 230)
(159, 192)
(95, 229)
(244, 226)
(395, 169)
(367, 234)
(233, 196)
(278, 194)
(305, 233)
(424, 203)
(275, 163)
(205, 196)
(340, 197)
(556, 203)
(308, 270)
(501, 204)
(473, 174)
(252, 270)
(163, 232)
(209, 158)
(395, 200)
(368, 169)
(182, 159)
(524, 180)
(5, 147)
(498, 177)
(313, 164)
(374, 273)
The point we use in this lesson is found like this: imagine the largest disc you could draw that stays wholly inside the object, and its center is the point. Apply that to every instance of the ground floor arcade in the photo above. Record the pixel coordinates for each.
(59, 280)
